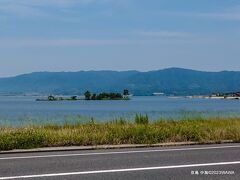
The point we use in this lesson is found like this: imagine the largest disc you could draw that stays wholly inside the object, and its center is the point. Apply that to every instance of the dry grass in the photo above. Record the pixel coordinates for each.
(120, 132)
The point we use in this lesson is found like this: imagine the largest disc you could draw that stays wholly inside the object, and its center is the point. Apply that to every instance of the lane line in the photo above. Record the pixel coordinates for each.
(119, 170)
(119, 152)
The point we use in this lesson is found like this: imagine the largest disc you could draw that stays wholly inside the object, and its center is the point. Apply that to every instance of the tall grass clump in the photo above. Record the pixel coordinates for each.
(141, 119)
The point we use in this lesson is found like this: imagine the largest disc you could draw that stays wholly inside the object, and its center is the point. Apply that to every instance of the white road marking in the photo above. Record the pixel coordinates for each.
(119, 170)
(118, 152)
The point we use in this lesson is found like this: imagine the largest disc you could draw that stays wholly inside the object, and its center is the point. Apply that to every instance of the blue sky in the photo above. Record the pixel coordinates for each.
(73, 35)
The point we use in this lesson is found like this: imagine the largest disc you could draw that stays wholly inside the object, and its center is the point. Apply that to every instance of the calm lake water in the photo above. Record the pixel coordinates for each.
(25, 110)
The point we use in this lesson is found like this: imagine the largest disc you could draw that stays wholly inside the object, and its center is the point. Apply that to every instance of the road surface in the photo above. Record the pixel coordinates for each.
(180, 162)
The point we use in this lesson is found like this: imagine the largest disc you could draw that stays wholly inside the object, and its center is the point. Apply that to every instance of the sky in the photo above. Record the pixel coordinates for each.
(74, 35)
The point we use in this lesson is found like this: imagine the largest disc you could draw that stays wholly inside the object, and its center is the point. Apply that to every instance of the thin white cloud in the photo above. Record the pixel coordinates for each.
(165, 34)
(20, 10)
(36, 7)
(49, 3)
(68, 42)
(52, 3)
(233, 16)
(34, 42)
(221, 16)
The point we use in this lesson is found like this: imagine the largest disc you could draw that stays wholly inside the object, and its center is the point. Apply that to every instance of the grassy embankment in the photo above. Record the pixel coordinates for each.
(141, 131)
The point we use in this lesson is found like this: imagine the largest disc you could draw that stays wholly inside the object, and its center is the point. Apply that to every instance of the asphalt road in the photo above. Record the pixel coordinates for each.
(182, 162)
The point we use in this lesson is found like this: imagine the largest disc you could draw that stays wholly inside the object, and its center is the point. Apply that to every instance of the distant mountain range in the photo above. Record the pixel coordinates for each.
(172, 81)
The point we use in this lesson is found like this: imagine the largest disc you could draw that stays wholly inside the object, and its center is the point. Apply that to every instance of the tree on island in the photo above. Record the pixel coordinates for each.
(51, 98)
(125, 92)
(94, 97)
(74, 98)
(87, 95)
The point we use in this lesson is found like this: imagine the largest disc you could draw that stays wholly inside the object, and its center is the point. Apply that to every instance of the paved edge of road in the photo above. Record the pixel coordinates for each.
(99, 147)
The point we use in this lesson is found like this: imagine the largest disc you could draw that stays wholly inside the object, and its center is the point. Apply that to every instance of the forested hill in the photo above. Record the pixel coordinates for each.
(171, 81)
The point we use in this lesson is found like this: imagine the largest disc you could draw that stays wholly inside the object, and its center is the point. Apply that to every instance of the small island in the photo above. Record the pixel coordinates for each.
(230, 95)
(91, 96)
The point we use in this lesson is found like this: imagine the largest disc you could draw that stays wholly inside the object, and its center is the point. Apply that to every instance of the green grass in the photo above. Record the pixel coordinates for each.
(120, 131)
